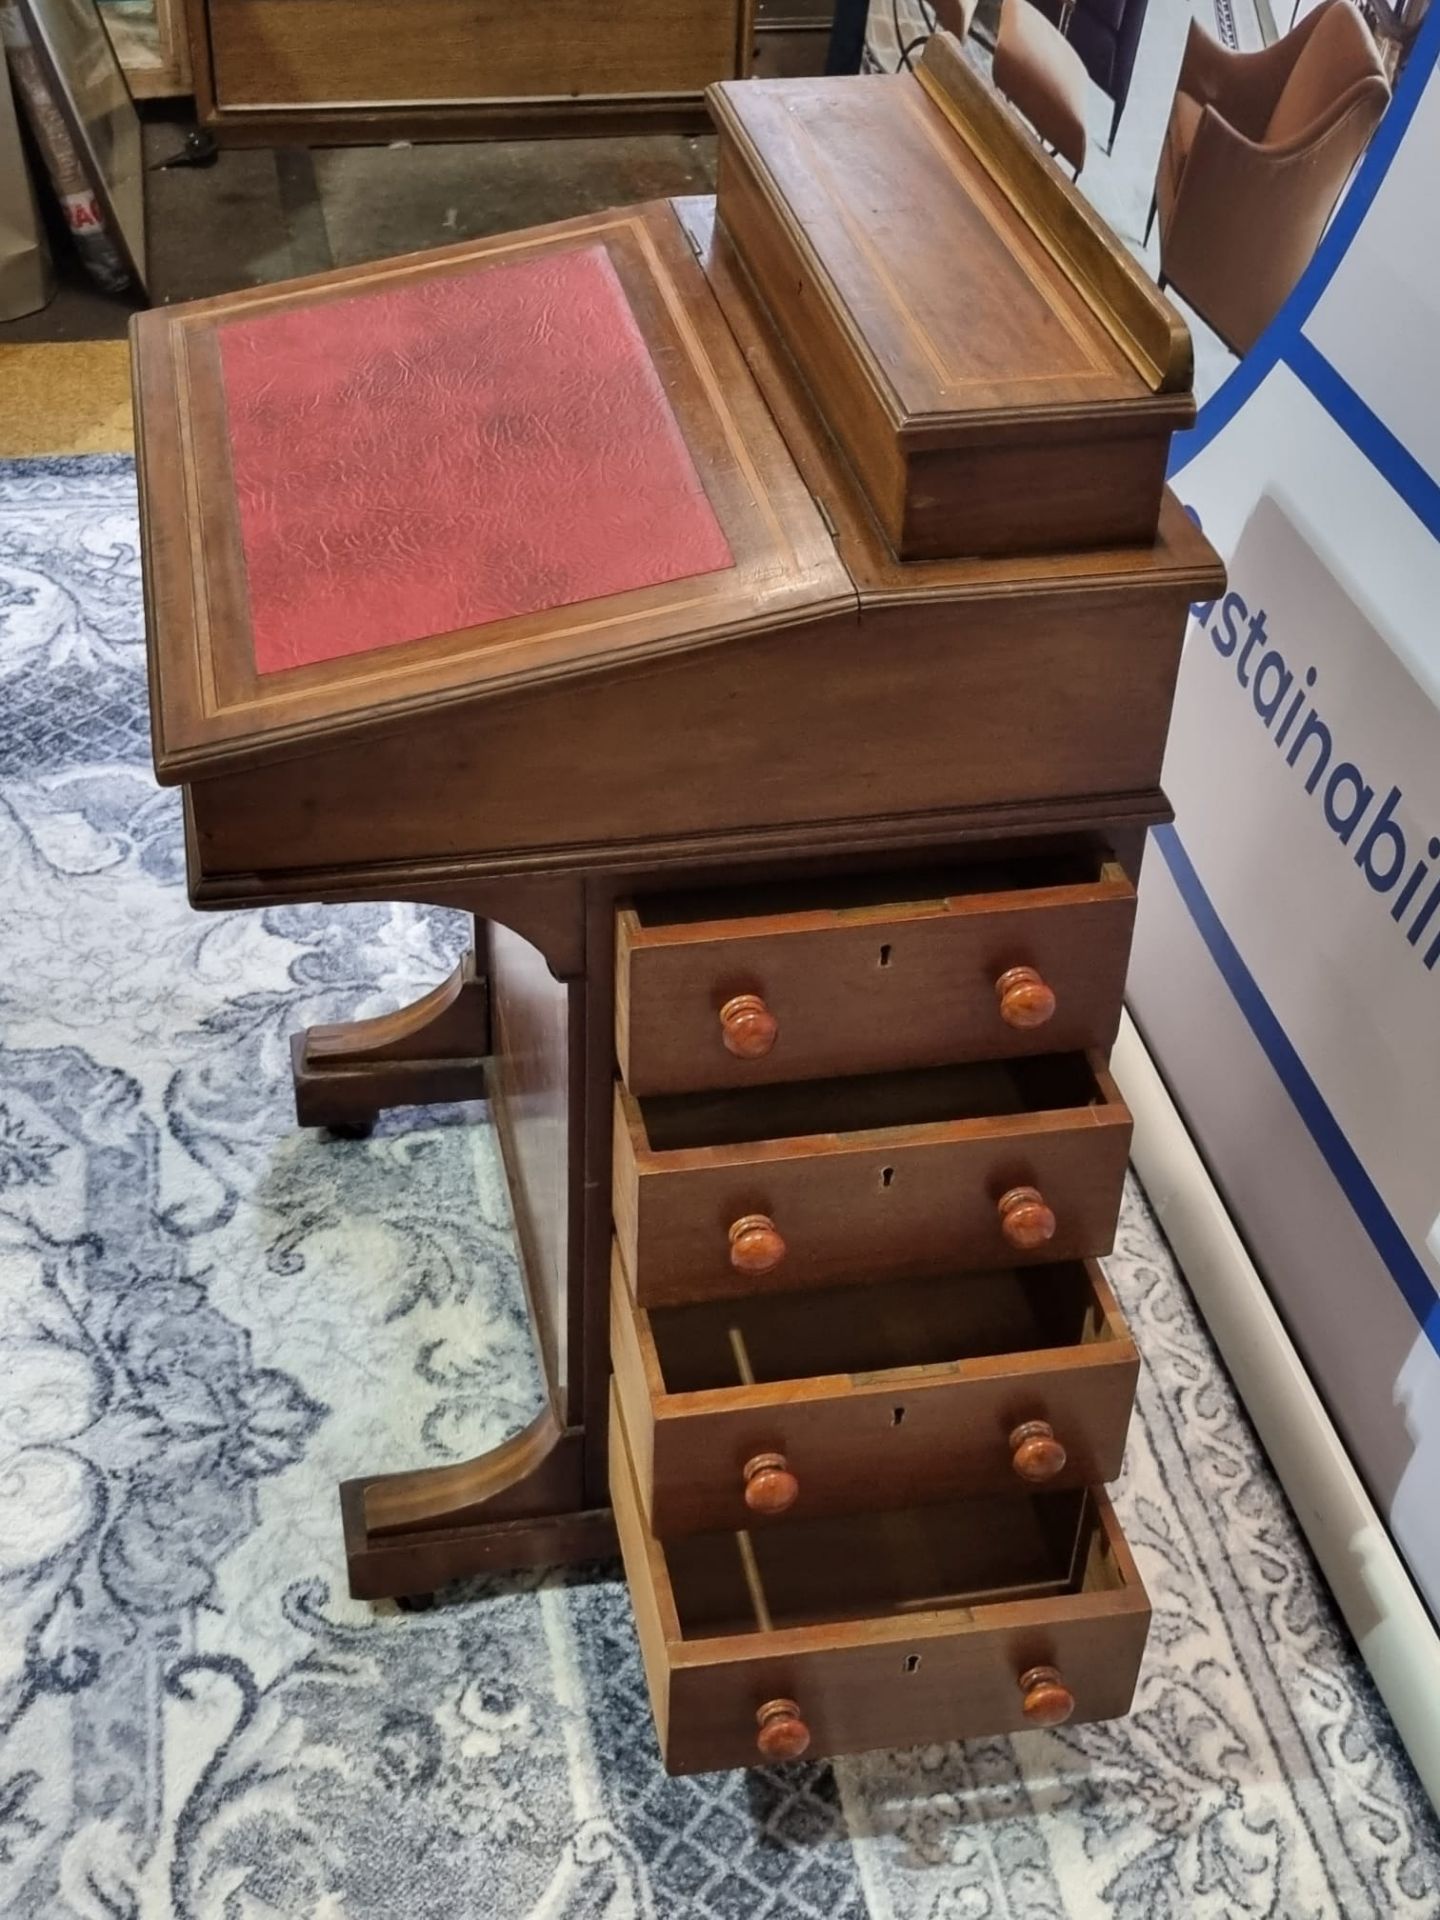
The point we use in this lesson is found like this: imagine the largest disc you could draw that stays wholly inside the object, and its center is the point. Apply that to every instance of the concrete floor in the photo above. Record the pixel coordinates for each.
(268, 214)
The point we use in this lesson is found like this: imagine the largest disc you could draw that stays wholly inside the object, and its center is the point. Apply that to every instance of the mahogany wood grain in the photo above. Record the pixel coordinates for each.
(880, 577)
(432, 1050)
(893, 1631)
(813, 857)
(895, 1394)
(1048, 642)
(519, 1505)
(528, 1468)
(827, 712)
(338, 53)
(539, 1040)
(984, 404)
(513, 779)
(416, 1564)
(897, 1174)
(861, 983)
(574, 925)
(513, 119)
(1121, 294)
(544, 884)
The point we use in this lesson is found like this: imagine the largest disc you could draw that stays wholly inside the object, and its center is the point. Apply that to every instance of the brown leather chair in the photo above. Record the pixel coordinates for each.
(1258, 148)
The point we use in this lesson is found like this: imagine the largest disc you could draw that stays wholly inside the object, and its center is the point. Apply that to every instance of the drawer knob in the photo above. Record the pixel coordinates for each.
(756, 1244)
(1025, 1000)
(783, 1734)
(1048, 1701)
(748, 1027)
(1035, 1453)
(770, 1486)
(1025, 1220)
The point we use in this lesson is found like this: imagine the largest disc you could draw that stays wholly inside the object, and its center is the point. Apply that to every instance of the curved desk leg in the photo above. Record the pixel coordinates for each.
(433, 1050)
(518, 1506)
(525, 1503)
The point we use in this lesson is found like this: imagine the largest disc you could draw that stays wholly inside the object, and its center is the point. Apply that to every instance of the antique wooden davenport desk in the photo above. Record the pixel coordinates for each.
(766, 627)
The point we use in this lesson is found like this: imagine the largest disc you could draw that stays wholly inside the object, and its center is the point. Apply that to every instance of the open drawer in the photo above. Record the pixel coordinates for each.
(870, 974)
(837, 1181)
(772, 1408)
(837, 1635)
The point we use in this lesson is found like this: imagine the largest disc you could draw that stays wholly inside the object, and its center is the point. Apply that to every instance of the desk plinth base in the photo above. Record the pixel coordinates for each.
(431, 1051)
(390, 1569)
(521, 1505)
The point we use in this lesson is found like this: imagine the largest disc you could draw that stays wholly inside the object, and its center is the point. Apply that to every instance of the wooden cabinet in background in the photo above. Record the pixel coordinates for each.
(357, 70)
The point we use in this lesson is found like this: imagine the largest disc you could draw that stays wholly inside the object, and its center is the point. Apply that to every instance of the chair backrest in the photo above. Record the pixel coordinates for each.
(956, 16)
(1339, 53)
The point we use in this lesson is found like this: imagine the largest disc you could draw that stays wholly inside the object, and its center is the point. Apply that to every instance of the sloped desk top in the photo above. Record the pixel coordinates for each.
(334, 541)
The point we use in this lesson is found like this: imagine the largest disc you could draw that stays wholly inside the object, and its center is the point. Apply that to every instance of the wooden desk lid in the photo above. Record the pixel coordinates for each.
(947, 293)
(416, 484)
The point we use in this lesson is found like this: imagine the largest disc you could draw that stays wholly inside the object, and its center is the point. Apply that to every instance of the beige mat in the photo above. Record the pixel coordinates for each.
(65, 397)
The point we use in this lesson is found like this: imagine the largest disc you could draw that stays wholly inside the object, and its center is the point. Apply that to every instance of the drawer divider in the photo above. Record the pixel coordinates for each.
(742, 1357)
(754, 1583)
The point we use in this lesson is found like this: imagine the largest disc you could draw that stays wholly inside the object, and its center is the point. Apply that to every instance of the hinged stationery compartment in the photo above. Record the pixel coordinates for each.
(1001, 376)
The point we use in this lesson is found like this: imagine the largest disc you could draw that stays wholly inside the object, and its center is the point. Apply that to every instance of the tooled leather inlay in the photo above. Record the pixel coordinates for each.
(452, 452)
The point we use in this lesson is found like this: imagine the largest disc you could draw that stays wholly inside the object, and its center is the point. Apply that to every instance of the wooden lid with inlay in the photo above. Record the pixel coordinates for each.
(1002, 377)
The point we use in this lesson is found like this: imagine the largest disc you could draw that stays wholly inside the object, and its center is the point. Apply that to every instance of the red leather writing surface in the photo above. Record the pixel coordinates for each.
(452, 452)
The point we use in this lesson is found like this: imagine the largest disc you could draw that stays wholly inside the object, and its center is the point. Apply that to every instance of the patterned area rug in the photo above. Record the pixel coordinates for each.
(207, 1317)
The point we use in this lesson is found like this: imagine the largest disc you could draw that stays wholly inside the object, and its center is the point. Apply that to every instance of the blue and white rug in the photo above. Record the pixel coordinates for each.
(207, 1318)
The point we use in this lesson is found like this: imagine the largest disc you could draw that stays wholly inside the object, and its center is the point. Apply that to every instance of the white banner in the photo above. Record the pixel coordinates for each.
(1287, 963)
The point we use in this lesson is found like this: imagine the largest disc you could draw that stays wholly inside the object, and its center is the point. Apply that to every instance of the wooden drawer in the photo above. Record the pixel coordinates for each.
(770, 1409)
(884, 1630)
(894, 1175)
(869, 975)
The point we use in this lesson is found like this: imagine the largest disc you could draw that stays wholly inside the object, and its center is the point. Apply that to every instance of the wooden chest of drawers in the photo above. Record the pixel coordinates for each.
(803, 874)
(857, 1333)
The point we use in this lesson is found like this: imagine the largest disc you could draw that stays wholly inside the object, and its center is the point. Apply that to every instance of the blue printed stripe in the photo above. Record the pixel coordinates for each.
(1374, 1216)
(1389, 456)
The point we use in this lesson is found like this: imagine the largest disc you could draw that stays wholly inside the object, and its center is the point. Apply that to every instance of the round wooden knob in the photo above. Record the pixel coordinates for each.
(748, 1027)
(1025, 1000)
(1035, 1453)
(770, 1486)
(1025, 1220)
(1048, 1701)
(756, 1245)
(783, 1734)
